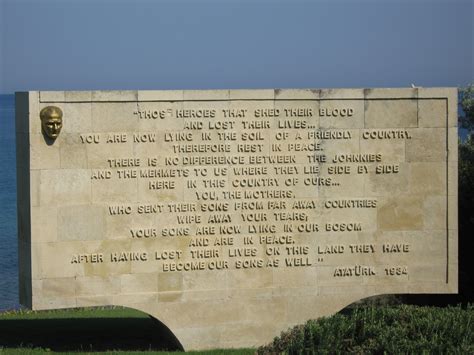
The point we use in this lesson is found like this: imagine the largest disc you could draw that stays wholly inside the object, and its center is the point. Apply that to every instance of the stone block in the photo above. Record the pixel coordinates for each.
(342, 94)
(64, 187)
(46, 220)
(34, 111)
(341, 114)
(435, 212)
(426, 145)
(452, 144)
(401, 213)
(393, 93)
(170, 296)
(207, 280)
(299, 94)
(172, 281)
(59, 287)
(261, 94)
(136, 283)
(94, 301)
(42, 155)
(113, 118)
(51, 96)
(34, 190)
(244, 279)
(112, 96)
(136, 300)
(432, 113)
(124, 191)
(381, 113)
(428, 178)
(72, 153)
(77, 117)
(97, 286)
(78, 96)
(160, 95)
(81, 222)
(204, 95)
(378, 183)
(449, 95)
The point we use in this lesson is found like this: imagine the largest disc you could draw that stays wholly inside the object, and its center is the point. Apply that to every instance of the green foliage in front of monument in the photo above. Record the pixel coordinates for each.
(466, 197)
(467, 104)
(382, 330)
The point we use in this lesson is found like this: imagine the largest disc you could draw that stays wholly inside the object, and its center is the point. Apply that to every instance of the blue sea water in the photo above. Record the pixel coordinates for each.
(8, 236)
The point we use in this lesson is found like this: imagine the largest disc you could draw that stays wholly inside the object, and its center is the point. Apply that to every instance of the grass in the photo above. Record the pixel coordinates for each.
(114, 330)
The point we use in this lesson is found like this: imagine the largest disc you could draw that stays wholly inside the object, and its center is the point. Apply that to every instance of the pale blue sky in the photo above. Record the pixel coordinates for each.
(144, 44)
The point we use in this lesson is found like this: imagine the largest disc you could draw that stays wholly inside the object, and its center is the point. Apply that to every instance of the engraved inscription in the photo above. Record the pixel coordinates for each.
(249, 184)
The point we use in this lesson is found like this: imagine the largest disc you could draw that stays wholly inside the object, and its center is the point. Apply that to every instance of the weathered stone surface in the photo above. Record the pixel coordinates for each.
(231, 215)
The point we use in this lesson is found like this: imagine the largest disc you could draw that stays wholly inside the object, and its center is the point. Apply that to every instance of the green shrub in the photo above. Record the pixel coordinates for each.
(382, 330)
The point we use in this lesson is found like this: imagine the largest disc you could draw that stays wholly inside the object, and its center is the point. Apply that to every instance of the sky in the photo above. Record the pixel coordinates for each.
(226, 44)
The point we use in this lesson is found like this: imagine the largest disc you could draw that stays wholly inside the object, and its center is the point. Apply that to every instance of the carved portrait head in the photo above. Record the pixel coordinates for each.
(51, 121)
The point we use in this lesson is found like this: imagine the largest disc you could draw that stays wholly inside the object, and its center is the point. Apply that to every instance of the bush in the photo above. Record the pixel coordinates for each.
(466, 197)
(466, 219)
(378, 330)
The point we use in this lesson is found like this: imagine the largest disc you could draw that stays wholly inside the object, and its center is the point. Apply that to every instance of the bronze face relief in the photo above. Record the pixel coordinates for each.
(51, 121)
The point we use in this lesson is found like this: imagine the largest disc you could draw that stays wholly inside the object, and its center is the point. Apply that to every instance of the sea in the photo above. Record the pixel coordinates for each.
(8, 227)
(8, 221)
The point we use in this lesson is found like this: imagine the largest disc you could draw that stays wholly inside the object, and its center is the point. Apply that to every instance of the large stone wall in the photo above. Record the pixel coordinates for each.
(232, 215)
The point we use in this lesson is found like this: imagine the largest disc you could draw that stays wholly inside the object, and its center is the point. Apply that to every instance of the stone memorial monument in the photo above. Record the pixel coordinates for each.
(231, 215)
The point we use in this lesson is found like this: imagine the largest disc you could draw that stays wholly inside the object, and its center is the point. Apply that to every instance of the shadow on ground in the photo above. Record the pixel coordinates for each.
(92, 334)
